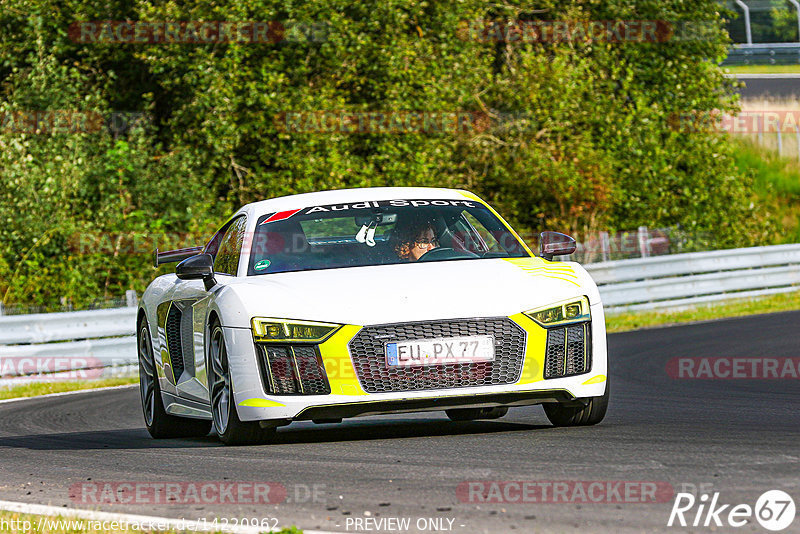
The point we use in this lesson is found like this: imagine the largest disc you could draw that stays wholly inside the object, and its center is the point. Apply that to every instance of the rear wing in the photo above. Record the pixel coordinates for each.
(175, 256)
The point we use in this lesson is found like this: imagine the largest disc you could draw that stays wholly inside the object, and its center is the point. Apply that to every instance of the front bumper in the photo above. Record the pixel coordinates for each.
(349, 399)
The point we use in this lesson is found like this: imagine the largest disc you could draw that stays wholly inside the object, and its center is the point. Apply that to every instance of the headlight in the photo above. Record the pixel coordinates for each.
(266, 330)
(566, 312)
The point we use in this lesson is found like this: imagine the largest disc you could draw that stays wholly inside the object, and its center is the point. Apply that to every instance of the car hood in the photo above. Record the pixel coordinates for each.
(407, 292)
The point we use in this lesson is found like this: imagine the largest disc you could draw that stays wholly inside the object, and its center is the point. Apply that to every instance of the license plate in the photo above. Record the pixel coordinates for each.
(440, 351)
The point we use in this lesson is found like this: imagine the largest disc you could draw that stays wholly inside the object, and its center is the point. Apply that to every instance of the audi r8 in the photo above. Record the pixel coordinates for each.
(338, 304)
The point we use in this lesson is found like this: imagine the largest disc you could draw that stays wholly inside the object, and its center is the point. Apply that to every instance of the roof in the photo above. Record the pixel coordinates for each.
(343, 196)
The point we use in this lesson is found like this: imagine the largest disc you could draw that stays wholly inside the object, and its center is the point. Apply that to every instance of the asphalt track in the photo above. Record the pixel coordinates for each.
(739, 437)
(769, 86)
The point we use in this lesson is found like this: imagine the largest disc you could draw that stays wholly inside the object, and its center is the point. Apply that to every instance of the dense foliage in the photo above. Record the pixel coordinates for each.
(574, 135)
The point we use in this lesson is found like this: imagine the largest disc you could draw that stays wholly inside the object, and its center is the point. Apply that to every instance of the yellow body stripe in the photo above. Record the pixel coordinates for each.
(338, 366)
(595, 380)
(541, 267)
(535, 348)
(261, 403)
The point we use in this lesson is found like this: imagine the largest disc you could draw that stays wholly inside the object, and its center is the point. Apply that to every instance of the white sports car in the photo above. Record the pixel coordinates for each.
(368, 301)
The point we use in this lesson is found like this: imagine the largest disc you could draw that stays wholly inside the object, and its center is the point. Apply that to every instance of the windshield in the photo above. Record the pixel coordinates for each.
(379, 233)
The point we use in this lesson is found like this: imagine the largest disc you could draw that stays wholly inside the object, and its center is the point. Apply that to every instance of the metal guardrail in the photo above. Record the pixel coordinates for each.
(49, 327)
(763, 54)
(44, 343)
(682, 280)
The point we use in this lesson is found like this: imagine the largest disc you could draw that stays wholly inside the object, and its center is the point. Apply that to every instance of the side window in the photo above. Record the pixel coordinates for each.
(467, 238)
(226, 260)
(488, 238)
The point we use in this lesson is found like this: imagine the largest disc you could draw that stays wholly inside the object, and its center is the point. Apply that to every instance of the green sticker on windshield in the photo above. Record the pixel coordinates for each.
(260, 266)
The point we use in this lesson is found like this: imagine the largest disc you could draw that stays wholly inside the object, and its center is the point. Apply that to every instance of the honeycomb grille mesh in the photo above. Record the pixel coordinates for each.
(569, 351)
(554, 360)
(173, 331)
(312, 375)
(293, 370)
(367, 351)
(281, 370)
(187, 343)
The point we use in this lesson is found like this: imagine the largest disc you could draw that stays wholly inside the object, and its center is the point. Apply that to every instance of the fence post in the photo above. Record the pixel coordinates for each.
(644, 244)
(796, 5)
(760, 131)
(131, 298)
(797, 137)
(605, 247)
(746, 11)
(780, 143)
(2, 311)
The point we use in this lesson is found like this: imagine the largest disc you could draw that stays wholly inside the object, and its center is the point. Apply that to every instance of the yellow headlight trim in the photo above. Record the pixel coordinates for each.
(561, 313)
(269, 330)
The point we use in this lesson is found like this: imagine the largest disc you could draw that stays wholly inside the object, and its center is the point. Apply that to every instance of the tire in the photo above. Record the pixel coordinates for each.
(159, 423)
(471, 414)
(589, 414)
(230, 429)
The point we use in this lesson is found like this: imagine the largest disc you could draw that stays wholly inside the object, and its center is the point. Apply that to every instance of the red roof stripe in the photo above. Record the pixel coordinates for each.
(281, 215)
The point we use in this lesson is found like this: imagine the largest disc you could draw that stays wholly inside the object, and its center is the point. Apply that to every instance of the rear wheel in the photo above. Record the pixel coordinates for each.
(471, 414)
(590, 413)
(159, 423)
(230, 429)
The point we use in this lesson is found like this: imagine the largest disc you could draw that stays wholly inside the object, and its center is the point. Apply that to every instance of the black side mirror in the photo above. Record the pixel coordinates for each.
(199, 267)
(555, 244)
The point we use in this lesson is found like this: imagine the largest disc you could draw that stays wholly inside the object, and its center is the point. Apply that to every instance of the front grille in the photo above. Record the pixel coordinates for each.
(292, 370)
(554, 355)
(173, 330)
(569, 351)
(312, 375)
(368, 353)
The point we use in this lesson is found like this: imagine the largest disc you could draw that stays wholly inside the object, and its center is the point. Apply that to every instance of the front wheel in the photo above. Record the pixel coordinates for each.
(230, 429)
(587, 414)
(159, 423)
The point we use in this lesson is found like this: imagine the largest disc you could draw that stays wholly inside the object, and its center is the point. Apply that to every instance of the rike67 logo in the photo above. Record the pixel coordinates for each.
(774, 510)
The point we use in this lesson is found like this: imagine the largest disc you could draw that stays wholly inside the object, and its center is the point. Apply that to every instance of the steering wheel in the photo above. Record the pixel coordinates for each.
(446, 253)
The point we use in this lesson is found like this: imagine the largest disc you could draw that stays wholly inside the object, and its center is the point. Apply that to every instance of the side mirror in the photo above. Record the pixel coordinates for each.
(555, 244)
(199, 267)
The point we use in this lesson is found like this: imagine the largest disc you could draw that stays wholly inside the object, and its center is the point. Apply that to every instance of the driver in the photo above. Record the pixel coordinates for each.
(414, 239)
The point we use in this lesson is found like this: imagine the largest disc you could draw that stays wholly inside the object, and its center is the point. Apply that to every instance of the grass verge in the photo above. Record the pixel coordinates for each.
(763, 69)
(16, 523)
(776, 183)
(43, 388)
(623, 322)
